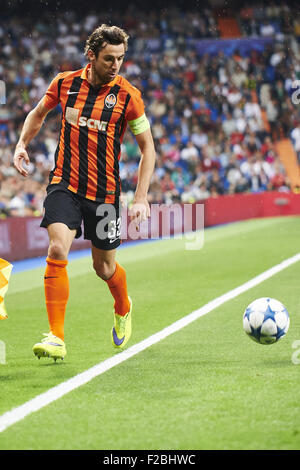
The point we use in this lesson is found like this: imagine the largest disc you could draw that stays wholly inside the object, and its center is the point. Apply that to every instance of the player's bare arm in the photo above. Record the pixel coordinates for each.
(140, 209)
(31, 127)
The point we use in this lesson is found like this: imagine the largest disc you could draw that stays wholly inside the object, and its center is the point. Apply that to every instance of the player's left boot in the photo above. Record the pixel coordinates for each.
(50, 346)
(121, 330)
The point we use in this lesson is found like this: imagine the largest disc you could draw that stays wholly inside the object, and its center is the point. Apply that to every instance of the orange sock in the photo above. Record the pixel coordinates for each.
(56, 284)
(118, 287)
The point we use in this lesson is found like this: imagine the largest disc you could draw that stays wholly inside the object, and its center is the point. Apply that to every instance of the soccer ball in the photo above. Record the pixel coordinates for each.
(266, 320)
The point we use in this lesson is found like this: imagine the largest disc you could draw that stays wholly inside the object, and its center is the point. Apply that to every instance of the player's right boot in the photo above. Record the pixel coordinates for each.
(50, 346)
(121, 331)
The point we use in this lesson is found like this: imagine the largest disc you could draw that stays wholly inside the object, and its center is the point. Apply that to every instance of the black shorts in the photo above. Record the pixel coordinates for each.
(101, 222)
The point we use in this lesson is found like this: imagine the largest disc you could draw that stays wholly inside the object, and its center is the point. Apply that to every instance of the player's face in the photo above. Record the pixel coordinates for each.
(107, 65)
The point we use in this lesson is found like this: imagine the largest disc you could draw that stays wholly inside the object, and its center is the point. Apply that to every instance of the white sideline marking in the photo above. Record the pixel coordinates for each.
(17, 414)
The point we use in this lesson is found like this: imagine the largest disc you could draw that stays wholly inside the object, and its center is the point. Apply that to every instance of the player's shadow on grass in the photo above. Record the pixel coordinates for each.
(69, 366)
(6, 378)
(47, 364)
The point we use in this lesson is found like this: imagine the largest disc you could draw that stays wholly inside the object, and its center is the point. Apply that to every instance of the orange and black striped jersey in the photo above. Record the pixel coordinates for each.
(92, 129)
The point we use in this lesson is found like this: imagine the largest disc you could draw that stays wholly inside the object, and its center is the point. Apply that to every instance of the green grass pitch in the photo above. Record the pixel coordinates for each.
(207, 386)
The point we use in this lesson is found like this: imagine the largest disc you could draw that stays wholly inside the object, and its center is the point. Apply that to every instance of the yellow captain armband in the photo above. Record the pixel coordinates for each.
(139, 125)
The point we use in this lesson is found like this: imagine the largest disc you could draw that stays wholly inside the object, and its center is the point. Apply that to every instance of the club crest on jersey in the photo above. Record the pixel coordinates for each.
(110, 100)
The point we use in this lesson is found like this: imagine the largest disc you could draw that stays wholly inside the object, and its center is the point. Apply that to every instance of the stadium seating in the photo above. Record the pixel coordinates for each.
(216, 106)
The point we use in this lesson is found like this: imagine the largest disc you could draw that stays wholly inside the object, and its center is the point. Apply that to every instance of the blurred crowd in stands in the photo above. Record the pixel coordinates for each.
(215, 119)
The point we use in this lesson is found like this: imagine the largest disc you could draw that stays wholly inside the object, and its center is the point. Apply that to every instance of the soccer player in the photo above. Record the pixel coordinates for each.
(97, 103)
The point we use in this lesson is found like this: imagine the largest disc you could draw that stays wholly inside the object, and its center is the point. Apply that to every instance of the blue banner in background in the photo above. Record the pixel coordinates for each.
(229, 46)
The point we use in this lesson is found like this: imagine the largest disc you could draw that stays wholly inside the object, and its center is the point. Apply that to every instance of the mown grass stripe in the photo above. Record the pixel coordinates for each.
(19, 413)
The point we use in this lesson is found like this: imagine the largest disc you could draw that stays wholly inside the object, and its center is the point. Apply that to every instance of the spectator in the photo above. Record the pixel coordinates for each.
(214, 117)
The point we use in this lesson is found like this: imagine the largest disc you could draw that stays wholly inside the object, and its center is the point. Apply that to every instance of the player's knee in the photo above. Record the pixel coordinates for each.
(103, 269)
(57, 250)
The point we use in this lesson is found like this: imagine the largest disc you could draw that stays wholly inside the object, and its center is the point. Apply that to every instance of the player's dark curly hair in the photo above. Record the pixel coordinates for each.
(103, 35)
